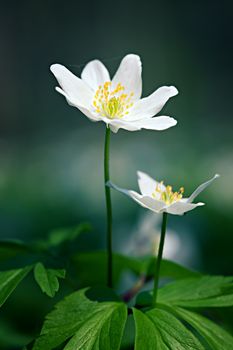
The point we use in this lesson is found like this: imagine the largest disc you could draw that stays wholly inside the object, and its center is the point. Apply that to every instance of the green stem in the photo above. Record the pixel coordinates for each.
(108, 207)
(159, 257)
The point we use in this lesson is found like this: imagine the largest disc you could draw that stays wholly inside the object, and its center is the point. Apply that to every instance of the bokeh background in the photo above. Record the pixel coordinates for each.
(51, 156)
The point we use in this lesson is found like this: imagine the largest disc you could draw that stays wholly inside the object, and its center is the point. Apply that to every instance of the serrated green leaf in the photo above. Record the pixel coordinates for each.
(101, 332)
(159, 329)
(216, 337)
(206, 291)
(86, 263)
(218, 301)
(58, 327)
(9, 281)
(77, 311)
(47, 279)
(147, 335)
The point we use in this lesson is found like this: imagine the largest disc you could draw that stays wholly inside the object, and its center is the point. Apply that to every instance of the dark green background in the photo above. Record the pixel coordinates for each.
(51, 156)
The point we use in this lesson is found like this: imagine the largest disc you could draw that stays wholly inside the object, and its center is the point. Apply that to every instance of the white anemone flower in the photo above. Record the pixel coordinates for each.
(160, 198)
(116, 102)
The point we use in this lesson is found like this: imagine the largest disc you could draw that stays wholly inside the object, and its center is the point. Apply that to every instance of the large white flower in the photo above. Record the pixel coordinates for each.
(116, 102)
(160, 198)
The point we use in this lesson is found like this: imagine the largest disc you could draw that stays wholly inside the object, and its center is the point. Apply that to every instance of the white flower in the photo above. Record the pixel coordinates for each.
(116, 102)
(160, 198)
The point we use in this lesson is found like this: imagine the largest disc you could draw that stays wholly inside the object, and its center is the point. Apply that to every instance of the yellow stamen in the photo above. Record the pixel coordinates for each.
(166, 194)
(112, 104)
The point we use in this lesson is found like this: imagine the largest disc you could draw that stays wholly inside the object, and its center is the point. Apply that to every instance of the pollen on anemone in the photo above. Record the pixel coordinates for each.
(160, 198)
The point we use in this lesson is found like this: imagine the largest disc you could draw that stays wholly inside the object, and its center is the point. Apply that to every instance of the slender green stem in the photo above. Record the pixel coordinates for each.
(108, 207)
(159, 257)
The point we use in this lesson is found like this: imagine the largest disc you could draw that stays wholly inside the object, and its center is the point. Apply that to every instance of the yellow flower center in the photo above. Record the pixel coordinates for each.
(112, 103)
(167, 195)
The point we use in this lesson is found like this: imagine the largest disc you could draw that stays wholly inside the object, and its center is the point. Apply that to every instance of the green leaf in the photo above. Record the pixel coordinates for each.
(103, 331)
(216, 337)
(9, 281)
(159, 329)
(67, 317)
(77, 316)
(129, 333)
(47, 279)
(12, 248)
(219, 301)
(206, 291)
(86, 263)
(147, 335)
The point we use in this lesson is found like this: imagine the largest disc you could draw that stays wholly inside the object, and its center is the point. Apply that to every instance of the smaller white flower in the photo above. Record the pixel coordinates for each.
(160, 198)
(116, 102)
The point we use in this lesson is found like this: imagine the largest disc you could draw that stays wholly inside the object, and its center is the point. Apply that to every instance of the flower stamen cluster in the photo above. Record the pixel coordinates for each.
(117, 102)
(112, 104)
(166, 194)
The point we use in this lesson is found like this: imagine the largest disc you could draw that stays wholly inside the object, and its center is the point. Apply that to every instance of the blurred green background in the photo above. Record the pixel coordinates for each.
(51, 156)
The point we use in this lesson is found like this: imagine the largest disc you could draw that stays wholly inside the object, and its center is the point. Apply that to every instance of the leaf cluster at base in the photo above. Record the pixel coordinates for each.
(164, 329)
(82, 323)
(95, 319)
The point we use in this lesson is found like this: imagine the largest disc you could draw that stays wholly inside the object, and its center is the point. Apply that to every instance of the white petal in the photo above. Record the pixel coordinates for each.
(129, 75)
(145, 201)
(155, 205)
(179, 208)
(73, 87)
(116, 124)
(156, 123)
(151, 105)
(91, 115)
(201, 188)
(95, 74)
(147, 185)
